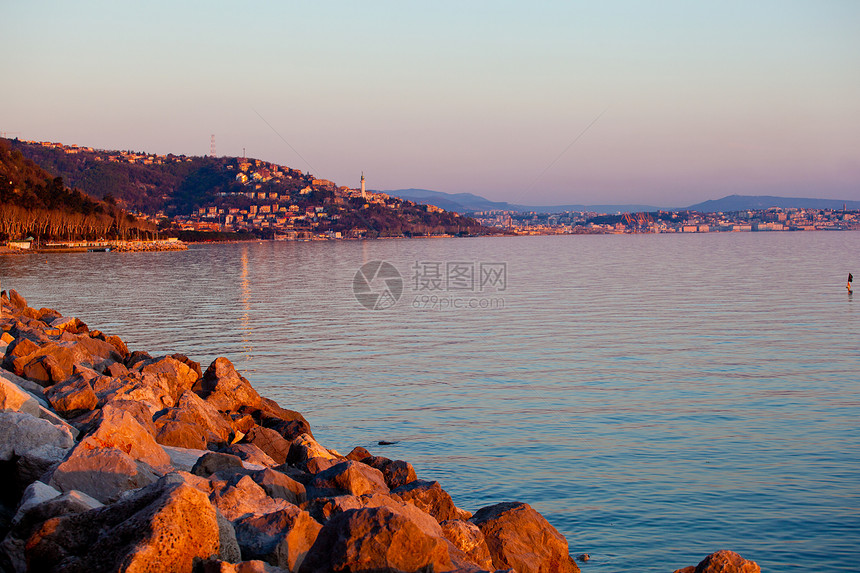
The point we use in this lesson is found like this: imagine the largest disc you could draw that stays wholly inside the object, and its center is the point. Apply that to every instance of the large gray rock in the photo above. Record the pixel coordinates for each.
(281, 538)
(35, 463)
(164, 527)
(20, 433)
(40, 503)
(520, 538)
(377, 539)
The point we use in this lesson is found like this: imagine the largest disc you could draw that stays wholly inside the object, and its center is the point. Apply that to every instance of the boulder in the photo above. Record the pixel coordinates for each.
(181, 435)
(397, 473)
(349, 477)
(251, 454)
(317, 465)
(116, 370)
(281, 538)
(280, 486)
(54, 362)
(253, 566)
(244, 497)
(466, 537)
(195, 366)
(35, 509)
(270, 441)
(151, 390)
(164, 527)
(305, 447)
(118, 427)
(428, 496)
(35, 494)
(103, 473)
(20, 433)
(289, 429)
(193, 410)
(212, 462)
(520, 538)
(35, 463)
(358, 454)
(723, 562)
(66, 324)
(37, 391)
(177, 375)
(20, 347)
(229, 547)
(376, 539)
(271, 411)
(225, 389)
(16, 301)
(15, 399)
(118, 345)
(72, 397)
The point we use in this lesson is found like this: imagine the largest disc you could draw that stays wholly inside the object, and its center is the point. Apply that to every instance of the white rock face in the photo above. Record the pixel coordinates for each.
(20, 433)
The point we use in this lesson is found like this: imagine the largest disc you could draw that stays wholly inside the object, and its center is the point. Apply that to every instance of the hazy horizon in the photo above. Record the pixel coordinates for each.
(563, 103)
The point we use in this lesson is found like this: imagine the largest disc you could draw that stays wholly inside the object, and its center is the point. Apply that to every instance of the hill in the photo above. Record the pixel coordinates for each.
(238, 194)
(756, 202)
(470, 203)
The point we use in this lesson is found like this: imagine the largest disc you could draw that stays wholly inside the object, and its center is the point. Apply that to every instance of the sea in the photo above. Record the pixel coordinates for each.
(656, 397)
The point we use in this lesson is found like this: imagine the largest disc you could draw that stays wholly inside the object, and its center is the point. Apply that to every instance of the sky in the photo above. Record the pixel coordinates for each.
(658, 102)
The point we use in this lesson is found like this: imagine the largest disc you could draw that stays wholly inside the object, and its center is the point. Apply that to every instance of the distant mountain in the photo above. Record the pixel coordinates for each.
(469, 203)
(750, 202)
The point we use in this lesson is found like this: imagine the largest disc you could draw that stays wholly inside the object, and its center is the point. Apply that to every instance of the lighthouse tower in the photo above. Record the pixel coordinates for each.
(363, 192)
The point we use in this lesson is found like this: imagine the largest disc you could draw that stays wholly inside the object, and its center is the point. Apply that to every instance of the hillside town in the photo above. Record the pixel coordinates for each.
(287, 204)
(761, 220)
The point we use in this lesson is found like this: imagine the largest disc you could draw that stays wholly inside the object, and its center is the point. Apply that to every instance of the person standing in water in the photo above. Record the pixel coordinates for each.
(850, 278)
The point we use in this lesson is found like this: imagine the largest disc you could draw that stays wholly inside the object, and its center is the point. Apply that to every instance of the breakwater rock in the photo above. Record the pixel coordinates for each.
(114, 460)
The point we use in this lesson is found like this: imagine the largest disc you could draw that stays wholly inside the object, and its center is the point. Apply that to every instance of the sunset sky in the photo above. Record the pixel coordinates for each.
(686, 101)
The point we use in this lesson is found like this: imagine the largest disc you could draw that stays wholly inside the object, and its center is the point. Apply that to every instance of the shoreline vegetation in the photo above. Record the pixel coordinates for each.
(115, 460)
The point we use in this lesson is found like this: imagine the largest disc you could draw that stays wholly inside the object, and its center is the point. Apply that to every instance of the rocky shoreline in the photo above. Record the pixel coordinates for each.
(119, 461)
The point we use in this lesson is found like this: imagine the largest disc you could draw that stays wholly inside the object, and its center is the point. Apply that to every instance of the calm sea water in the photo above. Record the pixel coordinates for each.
(656, 397)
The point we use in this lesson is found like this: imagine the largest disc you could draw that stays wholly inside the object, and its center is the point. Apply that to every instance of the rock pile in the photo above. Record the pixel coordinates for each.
(114, 460)
(121, 461)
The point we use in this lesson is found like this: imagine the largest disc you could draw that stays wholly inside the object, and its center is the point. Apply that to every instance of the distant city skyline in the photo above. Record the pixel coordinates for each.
(663, 103)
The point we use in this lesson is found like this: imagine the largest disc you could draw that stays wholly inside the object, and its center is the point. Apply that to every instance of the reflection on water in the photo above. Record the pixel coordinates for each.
(245, 319)
(656, 397)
